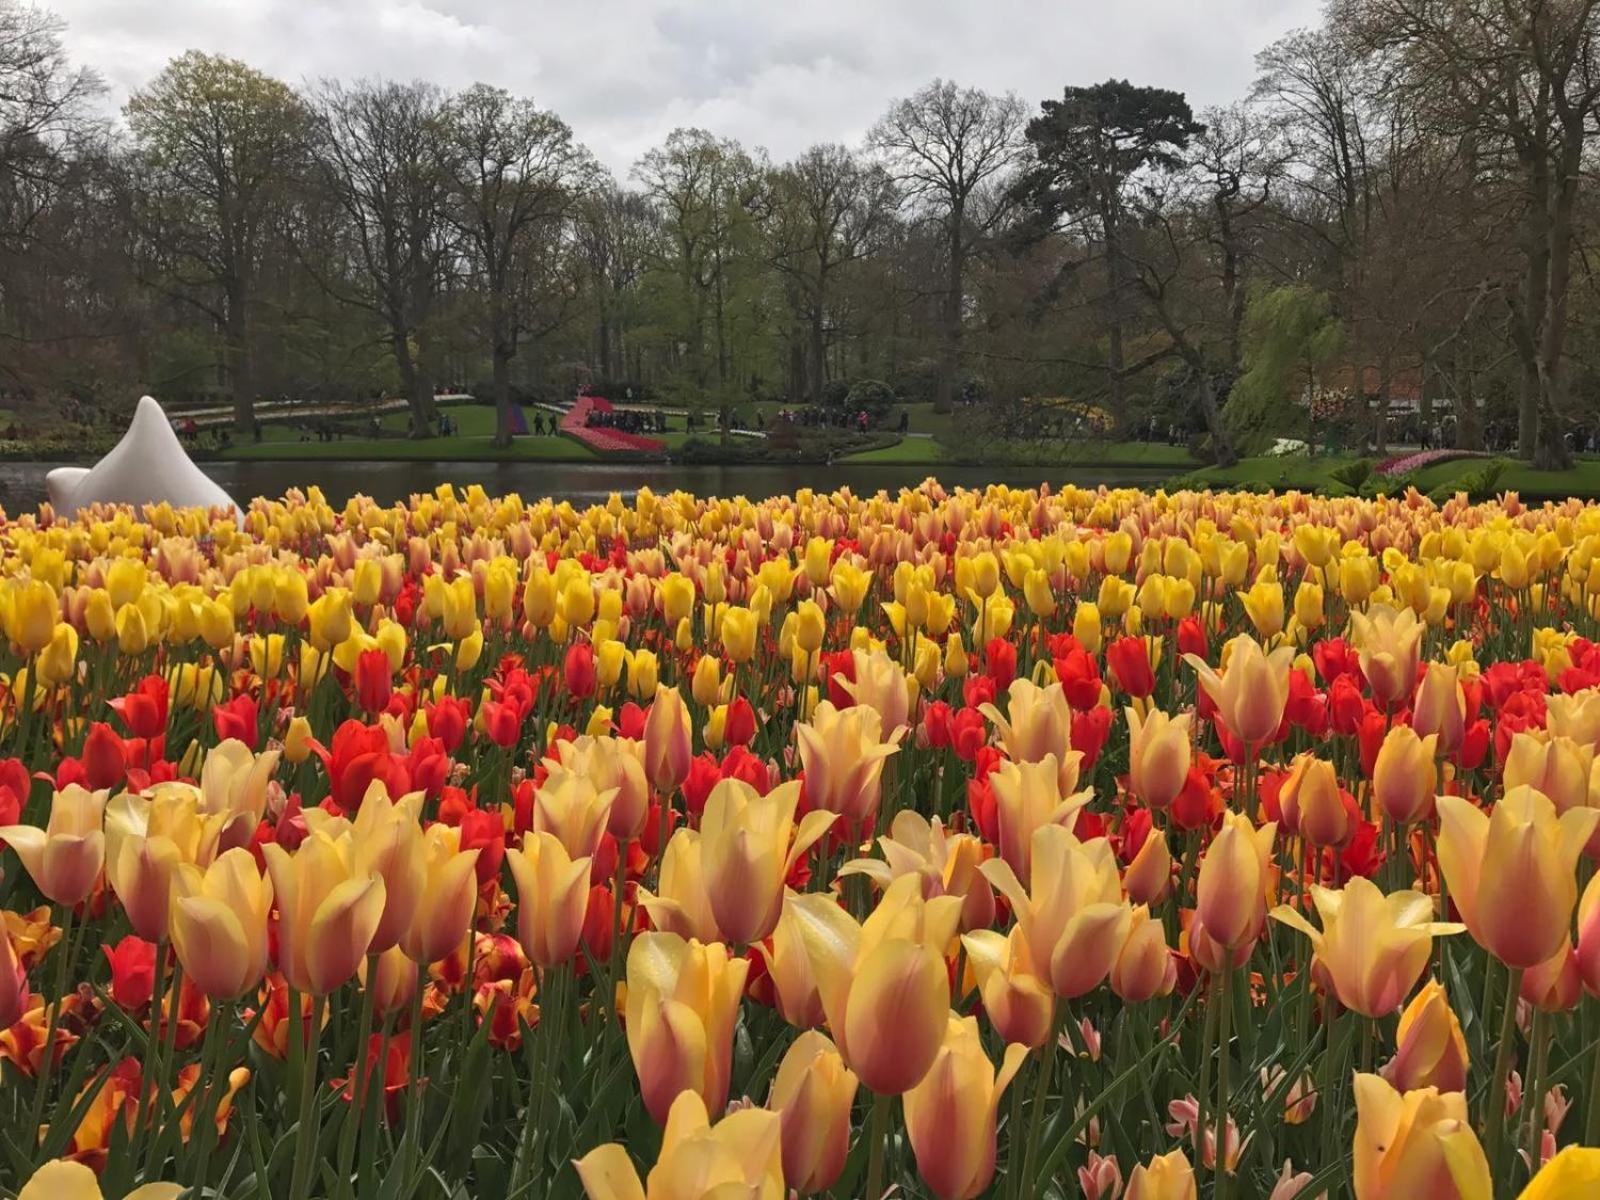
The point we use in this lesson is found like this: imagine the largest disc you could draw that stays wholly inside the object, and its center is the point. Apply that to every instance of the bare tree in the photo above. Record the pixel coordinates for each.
(827, 210)
(517, 177)
(952, 150)
(382, 154)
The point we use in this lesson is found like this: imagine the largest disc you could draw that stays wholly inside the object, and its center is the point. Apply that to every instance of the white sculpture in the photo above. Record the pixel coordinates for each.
(149, 465)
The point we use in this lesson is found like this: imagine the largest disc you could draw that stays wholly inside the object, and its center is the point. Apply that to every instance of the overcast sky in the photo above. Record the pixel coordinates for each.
(775, 73)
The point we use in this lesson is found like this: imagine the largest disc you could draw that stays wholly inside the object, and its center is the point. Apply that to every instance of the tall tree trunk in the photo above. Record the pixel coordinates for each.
(502, 394)
(414, 384)
(1380, 418)
(818, 344)
(950, 350)
(604, 338)
(1221, 443)
(241, 370)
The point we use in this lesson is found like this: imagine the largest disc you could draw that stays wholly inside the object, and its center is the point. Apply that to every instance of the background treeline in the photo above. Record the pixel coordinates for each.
(1402, 204)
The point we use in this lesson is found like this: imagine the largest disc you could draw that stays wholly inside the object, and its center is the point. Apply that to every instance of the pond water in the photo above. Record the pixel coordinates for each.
(22, 483)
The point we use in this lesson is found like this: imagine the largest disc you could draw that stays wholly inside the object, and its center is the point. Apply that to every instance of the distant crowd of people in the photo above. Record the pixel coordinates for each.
(627, 420)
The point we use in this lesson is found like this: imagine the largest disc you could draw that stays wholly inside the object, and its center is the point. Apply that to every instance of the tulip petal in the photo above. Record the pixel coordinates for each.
(608, 1174)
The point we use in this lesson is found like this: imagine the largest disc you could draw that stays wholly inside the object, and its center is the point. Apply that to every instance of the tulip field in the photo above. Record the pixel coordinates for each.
(943, 844)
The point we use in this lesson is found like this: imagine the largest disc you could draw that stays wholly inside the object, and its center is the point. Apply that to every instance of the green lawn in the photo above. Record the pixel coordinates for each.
(1289, 472)
(465, 448)
(914, 451)
(917, 451)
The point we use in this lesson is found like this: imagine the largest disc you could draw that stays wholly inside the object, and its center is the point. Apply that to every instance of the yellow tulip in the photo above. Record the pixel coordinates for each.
(842, 752)
(883, 985)
(327, 911)
(552, 898)
(1086, 626)
(1234, 877)
(1512, 872)
(1417, 1144)
(812, 1094)
(951, 1114)
(741, 1156)
(219, 923)
(64, 858)
(1016, 1000)
(1388, 644)
(33, 613)
(682, 1004)
(67, 1179)
(1373, 947)
(1252, 692)
(1167, 1177)
(1574, 1172)
(1430, 1050)
(1405, 776)
(738, 628)
(748, 845)
(1158, 756)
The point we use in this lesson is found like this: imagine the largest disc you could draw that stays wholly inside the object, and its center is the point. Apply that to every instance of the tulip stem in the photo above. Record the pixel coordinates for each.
(1538, 1061)
(1203, 1093)
(355, 1114)
(1495, 1116)
(413, 1135)
(158, 996)
(1224, 1036)
(307, 1135)
(1041, 1093)
(877, 1143)
(1592, 1132)
(47, 1062)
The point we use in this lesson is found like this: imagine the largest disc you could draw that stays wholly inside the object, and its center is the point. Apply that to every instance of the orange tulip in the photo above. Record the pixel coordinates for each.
(1075, 918)
(681, 903)
(552, 898)
(1252, 692)
(1168, 1177)
(1575, 715)
(233, 785)
(327, 911)
(794, 985)
(842, 752)
(1016, 1000)
(1234, 878)
(145, 841)
(1440, 708)
(1388, 644)
(1556, 766)
(1312, 803)
(668, 747)
(1430, 1050)
(1145, 967)
(388, 843)
(683, 1001)
(1028, 795)
(614, 767)
(740, 1156)
(884, 985)
(1511, 872)
(946, 863)
(1555, 985)
(1149, 876)
(1158, 756)
(1414, 1145)
(219, 923)
(748, 845)
(881, 686)
(448, 898)
(812, 1094)
(1405, 776)
(1373, 947)
(951, 1114)
(64, 858)
(573, 809)
(1589, 937)
(1039, 722)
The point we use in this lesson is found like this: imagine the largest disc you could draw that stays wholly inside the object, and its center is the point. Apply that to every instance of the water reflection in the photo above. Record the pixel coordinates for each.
(22, 483)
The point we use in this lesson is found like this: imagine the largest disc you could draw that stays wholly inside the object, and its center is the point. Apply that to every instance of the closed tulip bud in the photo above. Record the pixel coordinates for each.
(1145, 968)
(99, 617)
(1016, 1001)
(955, 657)
(951, 1115)
(1389, 649)
(1231, 893)
(290, 598)
(389, 843)
(219, 923)
(552, 899)
(1430, 1050)
(742, 1153)
(794, 985)
(64, 858)
(1149, 876)
(1405, 776)
(1416, 1144)
(1254, 690)
(676, 595)
(327, 912)
(748, 846)
(448, 895)
(1263, 603)
(1373, 948)
(1169, 1177)
(34, 611)
(1512, 872)
(392, 984)
(884, 985)
(1556, 984)
(739, 626)
(57, 662)
(1158, 756)
(1440, 707)
(706, 683)
(1028, 795)
(1589, 937)
(538, 598)
(644, 674)
(1086, 626)
(1313, 805)
(1036, 591)
(608, 658)
(133, 635)
(812, 1094)
(668, 737)
(142, 859)
(682, 1004)
(297, 741)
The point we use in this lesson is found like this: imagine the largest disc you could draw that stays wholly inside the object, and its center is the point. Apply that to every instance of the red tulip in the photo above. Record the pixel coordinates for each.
(238, 718)
(1129, 660)
(447, 721)
(372, 679)
(133, 971)
(578, 671)
(105, 762)
(740, 726)
(144, 710)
